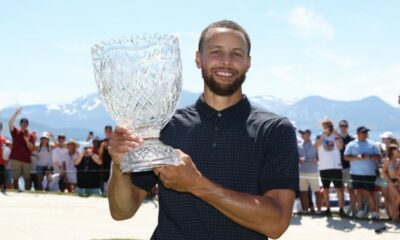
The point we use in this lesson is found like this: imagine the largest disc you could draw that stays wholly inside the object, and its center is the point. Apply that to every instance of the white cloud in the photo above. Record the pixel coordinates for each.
(309, 25)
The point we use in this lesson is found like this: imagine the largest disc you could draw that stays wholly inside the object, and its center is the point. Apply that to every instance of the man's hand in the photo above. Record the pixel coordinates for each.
(18, 111)
(302, 160)
(181, 178)
(122, 141)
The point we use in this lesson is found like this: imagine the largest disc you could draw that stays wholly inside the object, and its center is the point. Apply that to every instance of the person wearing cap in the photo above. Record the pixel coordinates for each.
(72, 154)
(387, 139)
(363, 155)
(59, 157)
(329, 144)
(346, 138)
(44, 157)
(88, 166)
(23, 146)
(308, 168)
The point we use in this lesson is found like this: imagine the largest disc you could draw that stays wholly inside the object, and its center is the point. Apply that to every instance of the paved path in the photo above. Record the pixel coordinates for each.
(52, 216)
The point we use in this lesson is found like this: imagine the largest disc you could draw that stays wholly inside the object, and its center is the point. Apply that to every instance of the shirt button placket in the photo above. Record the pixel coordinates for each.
(216, 130)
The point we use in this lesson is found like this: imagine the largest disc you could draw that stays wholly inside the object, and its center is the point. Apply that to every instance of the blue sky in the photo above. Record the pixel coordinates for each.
(341, 50)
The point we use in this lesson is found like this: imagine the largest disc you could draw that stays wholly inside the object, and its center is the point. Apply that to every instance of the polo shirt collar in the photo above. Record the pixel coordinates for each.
(205, 110)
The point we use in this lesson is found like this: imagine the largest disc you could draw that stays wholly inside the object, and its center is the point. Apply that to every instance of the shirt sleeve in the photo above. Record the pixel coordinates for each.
(280, 169)
(144, 180)
(347, 150)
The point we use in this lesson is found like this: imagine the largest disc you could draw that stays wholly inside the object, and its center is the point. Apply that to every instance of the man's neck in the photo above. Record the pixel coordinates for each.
(306, 141)
(221, 102)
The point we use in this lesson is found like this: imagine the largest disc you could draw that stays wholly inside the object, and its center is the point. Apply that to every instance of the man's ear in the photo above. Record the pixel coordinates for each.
(198, 59)
(249, 63)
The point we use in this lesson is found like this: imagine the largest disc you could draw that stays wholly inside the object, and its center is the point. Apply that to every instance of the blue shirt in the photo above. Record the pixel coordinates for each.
(241, 148)
(309, 152)
(362, 167)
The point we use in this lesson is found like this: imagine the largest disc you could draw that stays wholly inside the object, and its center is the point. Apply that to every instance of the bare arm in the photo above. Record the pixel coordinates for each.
(352, 158)
(13, 118)
(101, 150)
(78, 160)
(124, 198)
(385, 169)
(29, 144)
(268, 214)
(97, 159)
(318, 142)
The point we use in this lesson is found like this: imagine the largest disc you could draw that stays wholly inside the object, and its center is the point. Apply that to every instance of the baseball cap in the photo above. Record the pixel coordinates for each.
(304, 130)
(387, 135)
(362, 129)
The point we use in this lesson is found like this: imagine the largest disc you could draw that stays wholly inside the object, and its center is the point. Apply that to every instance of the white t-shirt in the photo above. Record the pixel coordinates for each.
(70, 167)
(59, 156)
(329, 154)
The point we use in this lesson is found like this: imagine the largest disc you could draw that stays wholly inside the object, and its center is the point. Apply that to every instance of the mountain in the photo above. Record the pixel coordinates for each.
(87, 113)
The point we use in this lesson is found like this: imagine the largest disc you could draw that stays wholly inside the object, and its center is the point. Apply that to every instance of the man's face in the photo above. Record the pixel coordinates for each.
(108, 133)
(305, 136)
(24, 126)
(61, 140)
(344, 127)
(71, 147)
(362, 136)
(223, 61)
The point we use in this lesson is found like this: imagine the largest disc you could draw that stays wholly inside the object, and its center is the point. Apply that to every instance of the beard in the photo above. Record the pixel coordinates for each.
(220, 89)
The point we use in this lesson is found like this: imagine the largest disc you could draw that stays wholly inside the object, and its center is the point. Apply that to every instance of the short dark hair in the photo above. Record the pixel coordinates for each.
(108, 127)
(225, 24)
(23, 120)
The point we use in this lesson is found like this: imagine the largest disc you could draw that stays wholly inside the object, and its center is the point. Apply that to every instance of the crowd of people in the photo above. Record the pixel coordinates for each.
(368, 171)
(53, 164)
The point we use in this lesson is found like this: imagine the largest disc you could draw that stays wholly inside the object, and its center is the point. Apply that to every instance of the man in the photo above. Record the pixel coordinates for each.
(23, 146)
(329, 145)
(59, 158)
(308, 167)
(346, 138)
(363, 155)
(106, 158)
(239, 165)
(88, 166)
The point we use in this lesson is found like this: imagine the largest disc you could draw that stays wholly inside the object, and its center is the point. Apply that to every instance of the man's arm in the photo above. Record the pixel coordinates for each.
(13, 118)
(352, 158)
(268, 214)
(124, 198)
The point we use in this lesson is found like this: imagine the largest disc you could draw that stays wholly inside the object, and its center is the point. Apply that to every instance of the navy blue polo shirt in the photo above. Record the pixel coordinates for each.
(241, 148)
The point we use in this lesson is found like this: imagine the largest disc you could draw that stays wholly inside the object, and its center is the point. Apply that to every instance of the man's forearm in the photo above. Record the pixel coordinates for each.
(262, 214)
(123, 197)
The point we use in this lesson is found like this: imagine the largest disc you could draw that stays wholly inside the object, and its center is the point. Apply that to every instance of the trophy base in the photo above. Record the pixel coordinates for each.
(153, 153)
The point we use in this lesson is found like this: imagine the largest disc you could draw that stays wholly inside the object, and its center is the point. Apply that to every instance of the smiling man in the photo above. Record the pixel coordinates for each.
(239, 165)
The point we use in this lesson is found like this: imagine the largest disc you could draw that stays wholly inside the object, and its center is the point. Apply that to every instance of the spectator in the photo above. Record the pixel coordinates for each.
(72, 154)
(387, 139)
(6, 156)
(44, 157)
(23, 145)
(105, 158)
(346, 138)
(88, 175)
(329, 145)
(391, 172)
(2, 161)
(51, 180)
(363, 155)
(59, 153)
(308, 167)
